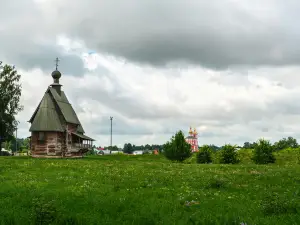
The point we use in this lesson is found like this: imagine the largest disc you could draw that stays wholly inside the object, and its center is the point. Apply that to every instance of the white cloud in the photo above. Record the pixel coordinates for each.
(254, 95)
(226, 107)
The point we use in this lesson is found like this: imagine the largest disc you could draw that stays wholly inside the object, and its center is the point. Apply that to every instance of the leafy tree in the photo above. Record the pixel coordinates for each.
(247, 145)
(263, 152)
(228, 155)
(8, 145)
(10, 93)
(128, 148)
(289, 142)
(148, 147)
(204, 155)
(113, 148)
(214, 148)
(177, 149)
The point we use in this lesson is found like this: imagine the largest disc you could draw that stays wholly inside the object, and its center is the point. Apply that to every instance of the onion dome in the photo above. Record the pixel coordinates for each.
(195, 131)
(56, 75)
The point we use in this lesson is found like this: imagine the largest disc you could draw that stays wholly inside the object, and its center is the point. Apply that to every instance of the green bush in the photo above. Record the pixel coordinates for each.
(263, 152)
(204, 155)
(245, 155)
(275, 204)
(228, 155)
(44, 212)
(191, 160)
(216, 183)
(177, 149)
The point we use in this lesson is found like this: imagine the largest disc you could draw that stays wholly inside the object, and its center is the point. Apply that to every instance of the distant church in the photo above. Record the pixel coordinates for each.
(55, 128)
(192, 139)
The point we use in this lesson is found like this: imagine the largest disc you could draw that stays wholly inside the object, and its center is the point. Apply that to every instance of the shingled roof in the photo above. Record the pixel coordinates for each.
(45, 117)
(54, 111)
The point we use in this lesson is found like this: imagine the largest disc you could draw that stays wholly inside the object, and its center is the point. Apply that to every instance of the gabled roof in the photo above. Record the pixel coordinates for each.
(65, 107)
(84, 137)
(46, 116)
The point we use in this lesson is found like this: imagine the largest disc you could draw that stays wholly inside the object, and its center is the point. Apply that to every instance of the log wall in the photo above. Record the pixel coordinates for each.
(54, 146)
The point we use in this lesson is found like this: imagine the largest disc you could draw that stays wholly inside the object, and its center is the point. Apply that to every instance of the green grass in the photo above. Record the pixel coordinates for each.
(145, 190)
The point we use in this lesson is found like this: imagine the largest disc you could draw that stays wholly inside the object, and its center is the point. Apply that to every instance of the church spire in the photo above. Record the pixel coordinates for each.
(56, 63)
(56, 75)
(191, 131)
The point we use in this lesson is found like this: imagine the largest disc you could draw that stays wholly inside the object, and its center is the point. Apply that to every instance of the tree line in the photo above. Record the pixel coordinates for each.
(177, 149)
(130, 148)
(10, 94)
(19, 144)
(283, 143)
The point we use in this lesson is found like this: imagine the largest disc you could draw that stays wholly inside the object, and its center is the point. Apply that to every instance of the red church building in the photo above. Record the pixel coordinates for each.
(192, 139)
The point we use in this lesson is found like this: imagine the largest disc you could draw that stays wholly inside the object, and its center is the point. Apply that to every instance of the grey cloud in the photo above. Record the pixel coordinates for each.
(207, 33)
(120, 127)
(130, 107)
(234, 33)
(26, 42)
(39, 56)
(285, 105)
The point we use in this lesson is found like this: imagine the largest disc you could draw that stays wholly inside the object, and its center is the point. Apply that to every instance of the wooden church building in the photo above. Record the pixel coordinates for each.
(56, 131)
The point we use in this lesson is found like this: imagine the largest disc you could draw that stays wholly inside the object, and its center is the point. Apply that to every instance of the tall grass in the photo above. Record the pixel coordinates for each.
(146, 189)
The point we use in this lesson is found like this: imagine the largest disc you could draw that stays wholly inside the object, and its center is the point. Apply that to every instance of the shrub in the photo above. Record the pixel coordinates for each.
(204, 155)
(44, 212)
(245, 155)
(177, 149)
(228, 155)
(216, 183)
(274, 204)
(263, 152)
(191, 160)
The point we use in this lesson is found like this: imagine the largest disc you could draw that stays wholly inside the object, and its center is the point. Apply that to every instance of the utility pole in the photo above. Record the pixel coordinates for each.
(16, 140)
(111, 118)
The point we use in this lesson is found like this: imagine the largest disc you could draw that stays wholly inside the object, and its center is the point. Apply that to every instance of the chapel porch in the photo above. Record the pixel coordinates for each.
(81, 143)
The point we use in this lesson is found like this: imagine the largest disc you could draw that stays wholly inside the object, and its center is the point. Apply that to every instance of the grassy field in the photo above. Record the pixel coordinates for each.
(145, 190)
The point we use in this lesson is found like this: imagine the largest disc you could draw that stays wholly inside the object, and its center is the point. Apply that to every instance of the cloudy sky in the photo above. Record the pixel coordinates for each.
(230, 68)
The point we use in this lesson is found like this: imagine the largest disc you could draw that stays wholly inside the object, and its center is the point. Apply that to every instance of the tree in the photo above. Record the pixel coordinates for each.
(10, 93)
(263, 152)
(113, 148)
(128, 148)
(148, 147)
(8, 145)
(247, 145)
(177, 149)
(229, 155)
(26, 144)
(204, 155)
(289, 142)
(214, 148)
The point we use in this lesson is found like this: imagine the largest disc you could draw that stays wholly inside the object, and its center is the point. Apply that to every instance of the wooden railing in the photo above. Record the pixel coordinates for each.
(80, 145)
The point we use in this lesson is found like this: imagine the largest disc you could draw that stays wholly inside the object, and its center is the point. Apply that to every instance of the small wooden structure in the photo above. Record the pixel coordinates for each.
(55, 128)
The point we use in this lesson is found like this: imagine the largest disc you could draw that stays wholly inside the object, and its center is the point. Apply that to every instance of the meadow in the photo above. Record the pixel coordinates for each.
(148, 190)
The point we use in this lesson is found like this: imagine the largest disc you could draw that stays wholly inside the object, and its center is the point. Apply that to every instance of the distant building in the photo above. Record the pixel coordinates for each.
(55, 128)
(138, 152)
(192, 139)
(155, 152)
